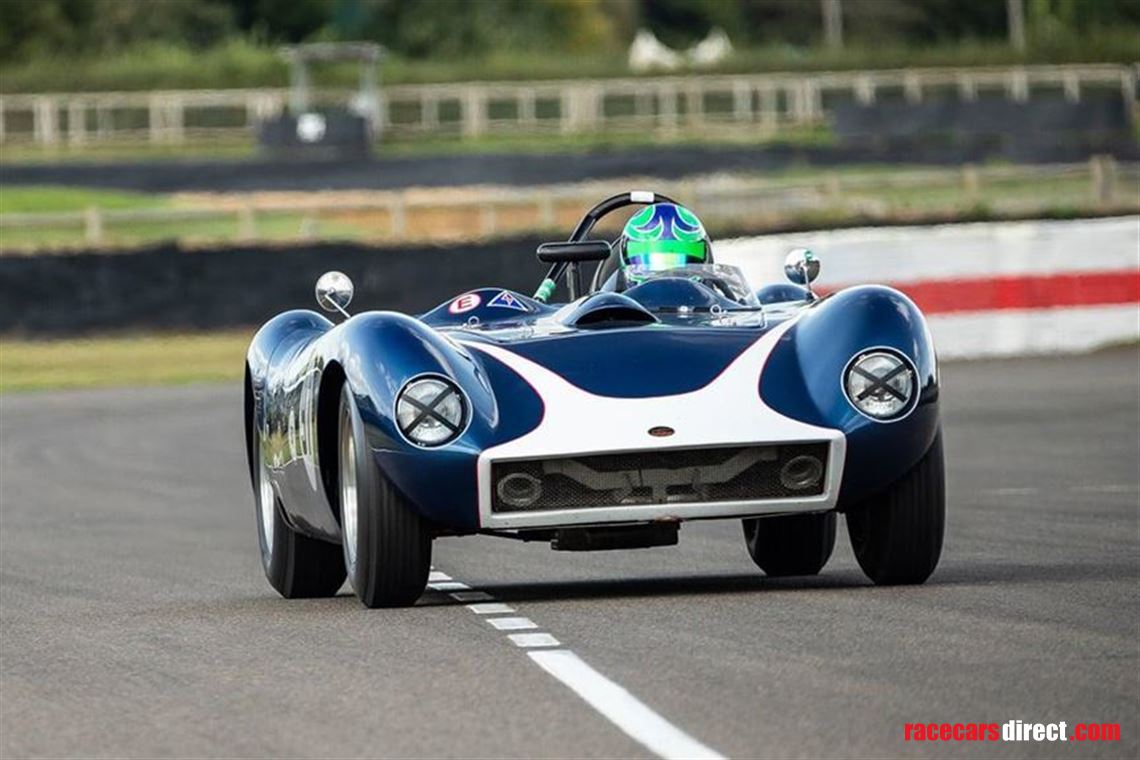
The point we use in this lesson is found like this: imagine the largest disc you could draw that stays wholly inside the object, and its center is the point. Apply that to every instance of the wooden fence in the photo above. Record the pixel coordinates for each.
(760, 103)
(1099, 185)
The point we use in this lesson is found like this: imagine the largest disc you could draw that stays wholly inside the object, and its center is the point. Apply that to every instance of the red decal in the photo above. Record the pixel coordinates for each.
(465, 302)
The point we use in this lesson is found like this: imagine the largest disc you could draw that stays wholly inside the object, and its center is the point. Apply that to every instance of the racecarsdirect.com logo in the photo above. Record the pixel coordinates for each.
(1012, 731)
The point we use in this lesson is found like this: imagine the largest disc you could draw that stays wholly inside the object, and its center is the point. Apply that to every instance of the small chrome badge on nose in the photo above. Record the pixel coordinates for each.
(661, 431)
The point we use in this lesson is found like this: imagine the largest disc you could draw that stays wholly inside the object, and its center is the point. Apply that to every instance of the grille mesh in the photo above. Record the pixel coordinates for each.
(654, 477)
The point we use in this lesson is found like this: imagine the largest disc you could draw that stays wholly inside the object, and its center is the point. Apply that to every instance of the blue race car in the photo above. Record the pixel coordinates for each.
(669, 391)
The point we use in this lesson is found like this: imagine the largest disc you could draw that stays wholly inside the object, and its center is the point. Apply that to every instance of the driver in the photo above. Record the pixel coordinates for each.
(659, 237)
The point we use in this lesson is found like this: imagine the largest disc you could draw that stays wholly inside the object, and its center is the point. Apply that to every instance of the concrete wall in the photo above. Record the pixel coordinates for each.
(988, 289)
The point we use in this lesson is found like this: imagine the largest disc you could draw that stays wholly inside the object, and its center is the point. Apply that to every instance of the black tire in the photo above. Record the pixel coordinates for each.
(897, 538)
(387, 549)
(790, 544)
(297, 566)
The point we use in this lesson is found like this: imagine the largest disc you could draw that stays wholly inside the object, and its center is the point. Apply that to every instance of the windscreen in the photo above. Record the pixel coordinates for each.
(725, 279)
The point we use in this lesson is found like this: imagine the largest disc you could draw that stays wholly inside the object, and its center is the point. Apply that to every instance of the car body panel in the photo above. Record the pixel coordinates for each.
(588, 377)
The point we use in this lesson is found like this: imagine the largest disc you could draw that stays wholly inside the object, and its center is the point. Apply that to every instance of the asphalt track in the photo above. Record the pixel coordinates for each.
(136, 622)
(526, 169)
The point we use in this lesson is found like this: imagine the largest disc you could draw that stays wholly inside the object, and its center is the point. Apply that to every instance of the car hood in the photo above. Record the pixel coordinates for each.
(639, 362)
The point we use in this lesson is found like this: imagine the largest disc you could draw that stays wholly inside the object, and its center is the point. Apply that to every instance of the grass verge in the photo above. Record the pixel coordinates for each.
(38, 199)
(171, 359)
(814, 196)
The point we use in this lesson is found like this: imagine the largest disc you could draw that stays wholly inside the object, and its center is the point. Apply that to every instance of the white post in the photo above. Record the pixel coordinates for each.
(44, 121)
(103, 122)
(971, 182)
(93, 225)
(667, 100)
(154, 119)
(798, 94)
(1102, 171)
(568, 110)
(641, 106)
(429, 112)
(815, 101)
(694, 103)
(247, 224)
(545, 211)
(967, 87)
(309, 225)
(487, 219)
(1128, 90)
(526, 106)
(1072, 84)
(596, 107)
(175, 120)
(769, 108)
(76, 122)
(741, 100)
(865, 90)
(474, 112)
(912, 87)
(397, 213)
(1017, 85)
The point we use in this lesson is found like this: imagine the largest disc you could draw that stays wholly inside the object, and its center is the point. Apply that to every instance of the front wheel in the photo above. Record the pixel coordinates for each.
(790, 544)
(296, 565)
(897, 537)
(387, 545)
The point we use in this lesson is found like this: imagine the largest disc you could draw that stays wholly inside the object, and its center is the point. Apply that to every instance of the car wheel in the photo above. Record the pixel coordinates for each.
(897, 538)
(297, 566)
(387, 546)
(791, 544)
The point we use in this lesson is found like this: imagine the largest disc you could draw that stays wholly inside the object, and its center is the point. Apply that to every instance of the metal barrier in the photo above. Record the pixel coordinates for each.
(450, 214)
(760, 103)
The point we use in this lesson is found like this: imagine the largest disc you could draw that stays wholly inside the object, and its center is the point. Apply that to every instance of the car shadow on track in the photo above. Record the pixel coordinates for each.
(703, 585)
(962, 573)
(957, 574)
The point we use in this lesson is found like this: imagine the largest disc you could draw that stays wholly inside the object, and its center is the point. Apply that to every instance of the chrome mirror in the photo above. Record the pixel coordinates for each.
(334, 292)
(801, 267)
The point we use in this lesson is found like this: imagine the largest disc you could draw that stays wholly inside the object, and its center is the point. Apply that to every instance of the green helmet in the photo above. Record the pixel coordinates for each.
(664, 236)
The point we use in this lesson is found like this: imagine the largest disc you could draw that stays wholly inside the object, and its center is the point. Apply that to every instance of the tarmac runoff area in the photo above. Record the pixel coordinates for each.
(136, 620)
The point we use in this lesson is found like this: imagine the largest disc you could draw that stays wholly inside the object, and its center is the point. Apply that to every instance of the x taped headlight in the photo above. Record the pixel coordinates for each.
(431, 411)
(881, 385)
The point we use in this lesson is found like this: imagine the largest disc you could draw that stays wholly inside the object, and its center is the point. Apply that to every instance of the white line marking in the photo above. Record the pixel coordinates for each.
(435, 576)
(448, 586)
(512, 623)
(491, 608)
(1009, 491)
(1105, 488)
(533, 640)
(620, 707)
(613, 702)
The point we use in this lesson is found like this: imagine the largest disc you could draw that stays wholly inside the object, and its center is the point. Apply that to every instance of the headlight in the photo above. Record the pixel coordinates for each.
(430, 411)
(881, 385)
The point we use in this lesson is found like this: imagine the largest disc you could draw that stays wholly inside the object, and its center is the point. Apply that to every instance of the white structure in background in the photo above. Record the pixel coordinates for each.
(647, 53)
(711, 50)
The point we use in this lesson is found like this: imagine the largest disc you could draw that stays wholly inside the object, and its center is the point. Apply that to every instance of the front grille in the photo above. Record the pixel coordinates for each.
(737, 473)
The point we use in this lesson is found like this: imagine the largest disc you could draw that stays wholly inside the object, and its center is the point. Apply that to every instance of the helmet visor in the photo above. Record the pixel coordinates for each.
(656, 255)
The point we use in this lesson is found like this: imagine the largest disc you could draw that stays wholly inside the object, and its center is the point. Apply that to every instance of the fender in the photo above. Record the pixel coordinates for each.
(804, 375)
(279, 371)
(379, 353)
